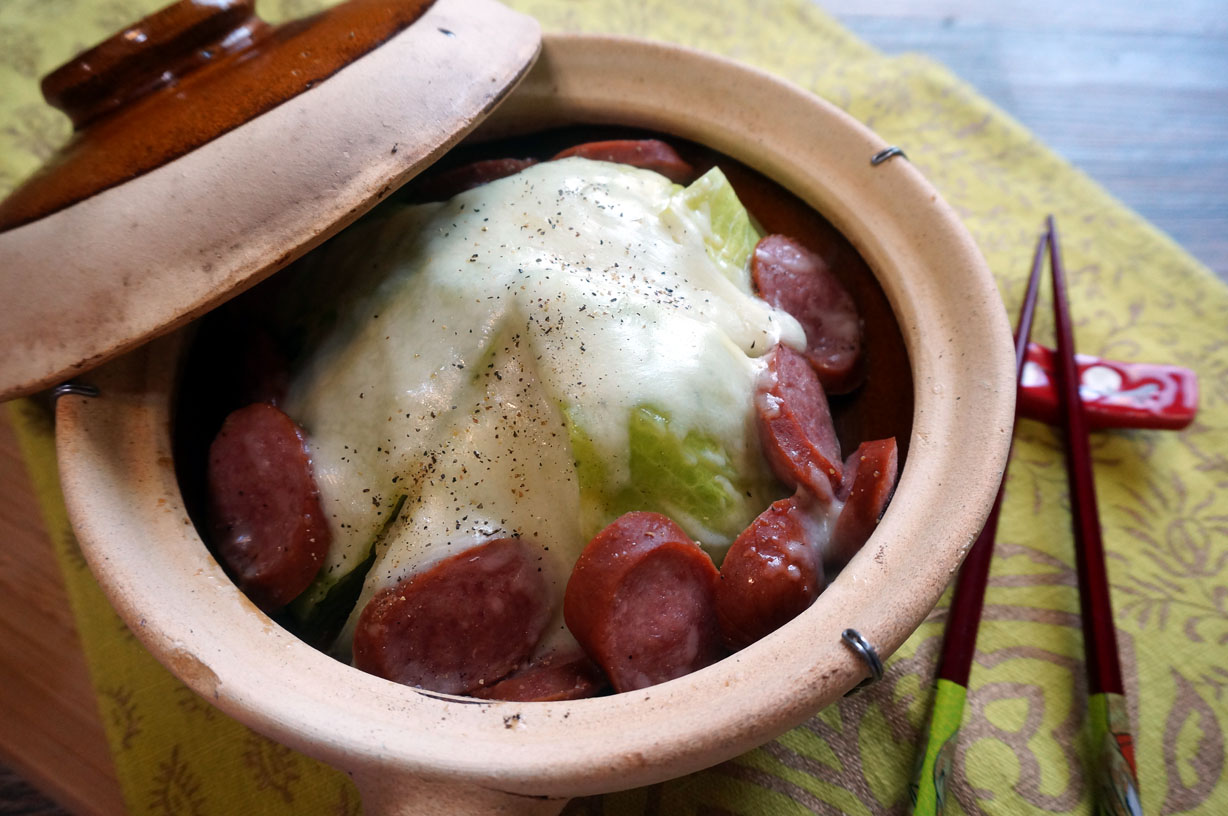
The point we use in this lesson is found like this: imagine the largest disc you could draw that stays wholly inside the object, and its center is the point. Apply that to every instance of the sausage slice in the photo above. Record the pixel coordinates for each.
(571, 676)
(770, 575)
(465, 623)
(649, 154)
(641, 602)
(796, 280)
(795, 426)
(869, 480)
(268, 527)
(457, 180)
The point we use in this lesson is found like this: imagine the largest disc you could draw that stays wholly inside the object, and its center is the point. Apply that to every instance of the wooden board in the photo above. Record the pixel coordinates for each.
(1134, 94)
(50, 730)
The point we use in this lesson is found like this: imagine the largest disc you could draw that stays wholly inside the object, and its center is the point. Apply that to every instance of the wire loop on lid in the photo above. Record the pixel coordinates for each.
(862, 648)
(887, 153)
(76, 389)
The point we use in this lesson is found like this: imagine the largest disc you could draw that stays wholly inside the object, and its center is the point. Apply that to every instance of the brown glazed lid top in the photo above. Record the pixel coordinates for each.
(211, 149)
(182, 77)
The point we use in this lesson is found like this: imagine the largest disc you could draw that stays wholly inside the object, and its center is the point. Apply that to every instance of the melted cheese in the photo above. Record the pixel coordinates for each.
(574, 288)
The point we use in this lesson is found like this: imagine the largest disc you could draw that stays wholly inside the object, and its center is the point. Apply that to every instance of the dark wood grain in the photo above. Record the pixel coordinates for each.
(1134, 94)
(50, 729)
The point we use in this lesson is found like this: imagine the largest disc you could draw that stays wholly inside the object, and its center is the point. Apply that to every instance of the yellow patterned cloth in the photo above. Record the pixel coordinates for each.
(1135, 295)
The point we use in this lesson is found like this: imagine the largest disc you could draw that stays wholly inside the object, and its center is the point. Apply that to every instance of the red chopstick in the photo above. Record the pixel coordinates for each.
(1116, 775)
(928, 790)
(964, 616)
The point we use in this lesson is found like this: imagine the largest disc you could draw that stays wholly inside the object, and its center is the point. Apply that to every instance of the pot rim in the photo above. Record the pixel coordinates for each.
(119, 481)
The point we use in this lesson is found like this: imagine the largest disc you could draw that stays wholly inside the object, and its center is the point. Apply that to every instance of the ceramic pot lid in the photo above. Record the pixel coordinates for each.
(212, 150)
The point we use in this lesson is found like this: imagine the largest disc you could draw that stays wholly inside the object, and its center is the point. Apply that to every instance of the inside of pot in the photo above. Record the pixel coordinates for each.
(240, 355)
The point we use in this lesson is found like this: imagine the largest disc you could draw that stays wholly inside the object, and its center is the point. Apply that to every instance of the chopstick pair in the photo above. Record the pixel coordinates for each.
(1116, 786)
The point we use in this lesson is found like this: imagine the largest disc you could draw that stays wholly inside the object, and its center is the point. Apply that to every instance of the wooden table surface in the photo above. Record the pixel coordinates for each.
(1135, 94)
(50, 731)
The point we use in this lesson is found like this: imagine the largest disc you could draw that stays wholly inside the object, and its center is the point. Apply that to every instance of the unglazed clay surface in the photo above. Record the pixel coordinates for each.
(115, 459)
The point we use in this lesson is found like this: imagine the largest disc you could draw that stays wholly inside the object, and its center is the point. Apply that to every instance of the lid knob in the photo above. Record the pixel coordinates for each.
(153, 53)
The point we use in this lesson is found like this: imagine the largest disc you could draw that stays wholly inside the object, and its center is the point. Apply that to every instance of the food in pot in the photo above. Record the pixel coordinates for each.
(641, 601)
(771, 574)
(268, 526)
(535, 419)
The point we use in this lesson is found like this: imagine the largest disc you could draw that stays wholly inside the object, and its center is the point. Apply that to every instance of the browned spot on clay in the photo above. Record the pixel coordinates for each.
(194, 672)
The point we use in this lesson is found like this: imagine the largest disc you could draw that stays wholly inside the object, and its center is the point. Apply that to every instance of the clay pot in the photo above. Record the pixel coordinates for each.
(412, 751)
